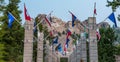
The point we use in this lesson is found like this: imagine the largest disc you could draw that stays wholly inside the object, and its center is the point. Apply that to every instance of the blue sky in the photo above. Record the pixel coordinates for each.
(81, 8)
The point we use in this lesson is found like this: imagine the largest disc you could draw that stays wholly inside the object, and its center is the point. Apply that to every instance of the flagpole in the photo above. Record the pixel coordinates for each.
(50, 12)
(104, 20)
(15, 18)
(38, 24)
(94, 9)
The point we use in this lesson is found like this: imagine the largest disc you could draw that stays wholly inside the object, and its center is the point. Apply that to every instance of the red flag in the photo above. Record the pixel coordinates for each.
(65, 47)
(98, 35)
(95, 9)
(68, 33)
(27, 17)
(47, 20)
(51, 33)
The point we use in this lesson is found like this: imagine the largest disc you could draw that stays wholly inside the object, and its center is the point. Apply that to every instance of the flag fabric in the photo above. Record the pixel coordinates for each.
(55, 40)
(60, 48)
(27, 16)
(112, 18)
(73, 18)
(68, 33)
(51, 33)
(49, 16)
(47, 20)
(95, 9)
(67, 42)
(66, 45)
(98, 34)
(10, 20)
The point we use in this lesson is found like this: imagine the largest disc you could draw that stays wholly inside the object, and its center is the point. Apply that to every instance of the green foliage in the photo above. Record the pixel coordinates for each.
(34, 51)
(106, 49)
(63, 59)
(12, 38)
(59, 33)
(63, 32)
(87, 46)
(2, 52)
(114, 5)
(2, 5)
(117, 51)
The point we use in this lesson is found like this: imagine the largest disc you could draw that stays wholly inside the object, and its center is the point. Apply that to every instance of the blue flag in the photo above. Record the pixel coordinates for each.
(73, 18)
(112, 18)
(67, 41)
(60, 48)
(55, 41)
(10, 20)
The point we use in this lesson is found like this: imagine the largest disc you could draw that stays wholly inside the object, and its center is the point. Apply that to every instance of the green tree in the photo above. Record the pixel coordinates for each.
(106, 49)
(2, 52)
(114, 5)
(12, 38)
(117, 51)
(2, 5)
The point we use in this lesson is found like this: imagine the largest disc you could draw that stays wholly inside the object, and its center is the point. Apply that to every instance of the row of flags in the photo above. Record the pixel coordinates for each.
(59, 45)
(11, 19)
(48, 17)
(67, 40)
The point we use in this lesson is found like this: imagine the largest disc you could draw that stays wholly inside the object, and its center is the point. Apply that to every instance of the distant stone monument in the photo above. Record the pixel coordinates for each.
(93, 49)
(28, 42)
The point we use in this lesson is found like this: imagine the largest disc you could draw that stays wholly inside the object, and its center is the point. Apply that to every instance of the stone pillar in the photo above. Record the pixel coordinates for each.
(117, 58)
(78, 51)
(83, 48)
(28, 41)
(74, 56)
(93, 49)
(40, 47)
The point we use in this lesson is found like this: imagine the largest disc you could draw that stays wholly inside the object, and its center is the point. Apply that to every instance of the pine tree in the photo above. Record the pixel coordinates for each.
(106, 49)
(12, 38)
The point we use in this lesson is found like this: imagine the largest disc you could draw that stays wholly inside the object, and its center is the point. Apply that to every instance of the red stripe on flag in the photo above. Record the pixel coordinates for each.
(47, 21)
(27, 17)
(65, 48)
(51, 33)
(98, 35)
(95, 9)
(68, 34)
